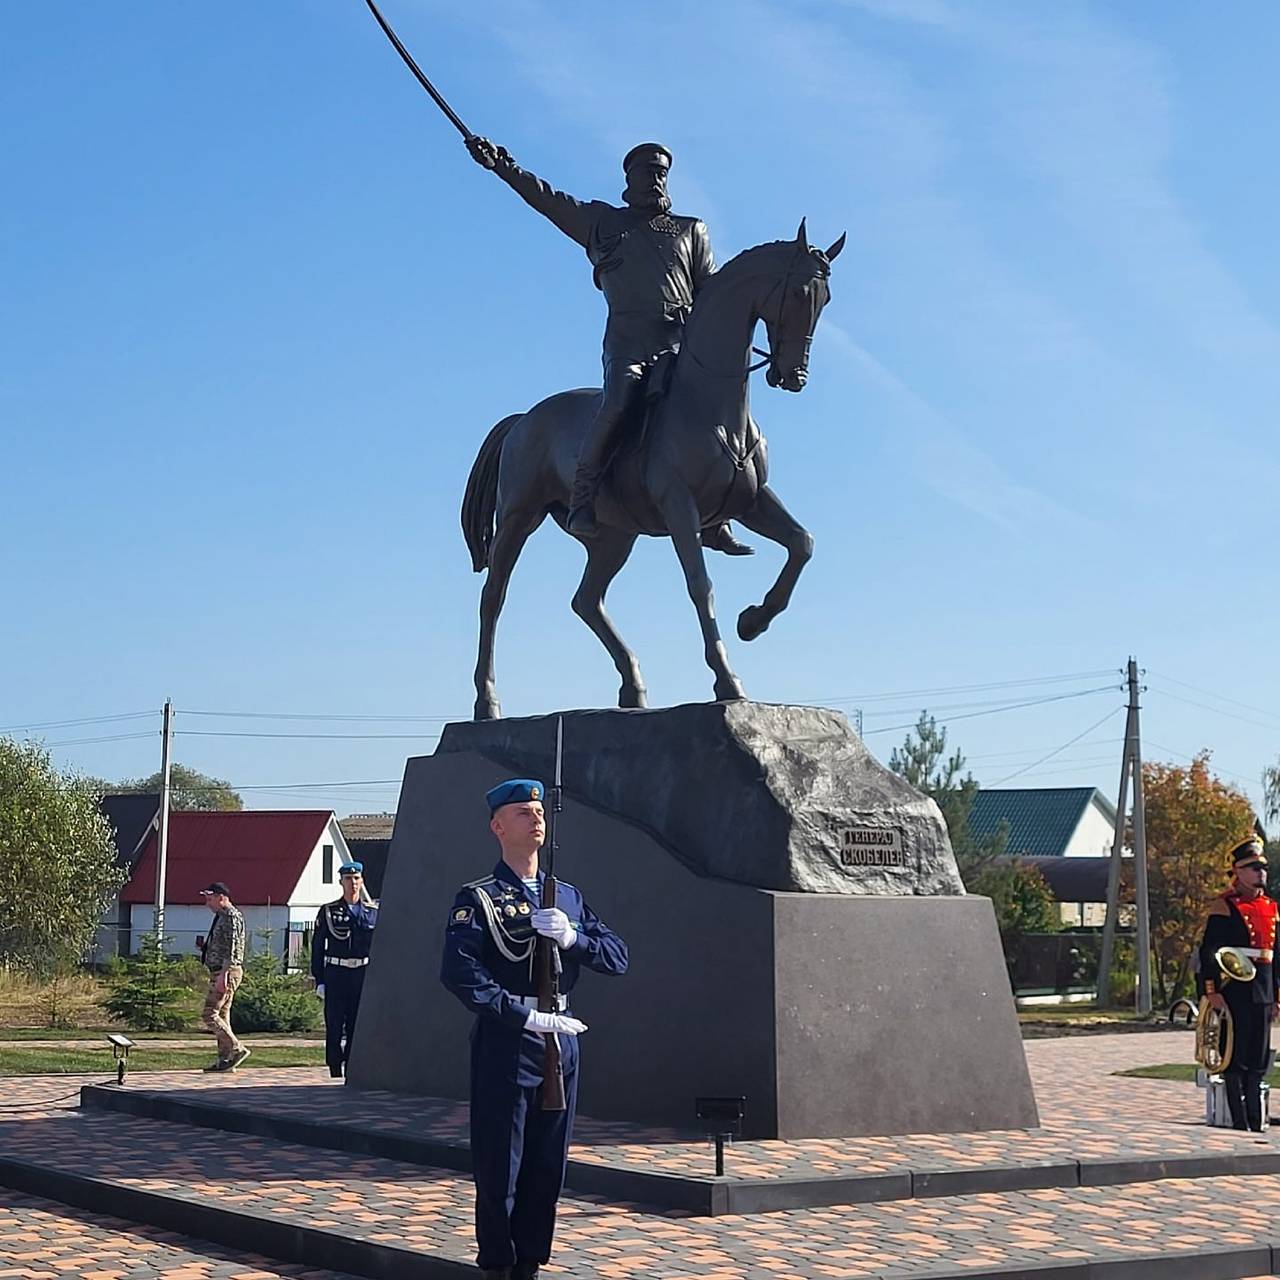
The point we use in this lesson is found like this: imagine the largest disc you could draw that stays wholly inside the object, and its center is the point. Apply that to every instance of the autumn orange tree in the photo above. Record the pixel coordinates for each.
(1193, 819)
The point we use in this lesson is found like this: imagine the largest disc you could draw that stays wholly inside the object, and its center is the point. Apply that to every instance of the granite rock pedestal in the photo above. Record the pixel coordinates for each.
(797, 928)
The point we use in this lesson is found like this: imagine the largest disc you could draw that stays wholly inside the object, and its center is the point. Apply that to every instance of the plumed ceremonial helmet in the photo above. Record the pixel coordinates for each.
(1249, 849)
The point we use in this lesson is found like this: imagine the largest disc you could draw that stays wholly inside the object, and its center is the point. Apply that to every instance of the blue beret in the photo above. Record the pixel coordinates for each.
(351, 868)
(514, 791)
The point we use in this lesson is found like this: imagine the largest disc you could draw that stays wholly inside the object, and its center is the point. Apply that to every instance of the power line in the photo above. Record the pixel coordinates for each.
(968, 688)
(1204, 706)
(1182, 755)
(228, 733)
(939, 709)
(1012, 706)
(111, 737)
(1069, 743)
(70, 724)
(1029, 751)
(291, 715)
(1195, 688)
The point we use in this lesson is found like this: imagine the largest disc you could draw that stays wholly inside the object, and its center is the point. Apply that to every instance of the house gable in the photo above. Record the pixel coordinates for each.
(259, 854)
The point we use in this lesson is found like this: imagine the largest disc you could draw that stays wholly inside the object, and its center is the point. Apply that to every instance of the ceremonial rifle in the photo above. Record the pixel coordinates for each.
(436, 96)
(548, 953)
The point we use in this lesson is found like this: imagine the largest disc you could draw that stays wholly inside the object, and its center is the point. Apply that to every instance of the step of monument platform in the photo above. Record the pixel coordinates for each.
(375, 1217)
(667, 1169)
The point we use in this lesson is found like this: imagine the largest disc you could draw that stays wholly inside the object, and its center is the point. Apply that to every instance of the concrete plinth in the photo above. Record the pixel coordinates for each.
(835, 1014)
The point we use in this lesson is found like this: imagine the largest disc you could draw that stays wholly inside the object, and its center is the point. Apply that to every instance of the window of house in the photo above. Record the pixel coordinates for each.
(326, 854)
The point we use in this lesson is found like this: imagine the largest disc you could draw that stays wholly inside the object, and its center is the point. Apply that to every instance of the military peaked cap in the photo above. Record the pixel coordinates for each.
(647, 153)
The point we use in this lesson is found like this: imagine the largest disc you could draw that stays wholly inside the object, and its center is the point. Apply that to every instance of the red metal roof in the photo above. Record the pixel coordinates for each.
(258, 854)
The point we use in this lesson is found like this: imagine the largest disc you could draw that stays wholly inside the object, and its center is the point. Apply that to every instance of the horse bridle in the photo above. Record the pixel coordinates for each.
(780, 286)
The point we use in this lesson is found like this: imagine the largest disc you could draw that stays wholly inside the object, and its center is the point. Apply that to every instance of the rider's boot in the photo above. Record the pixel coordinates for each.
(719, 537)
(582, 502)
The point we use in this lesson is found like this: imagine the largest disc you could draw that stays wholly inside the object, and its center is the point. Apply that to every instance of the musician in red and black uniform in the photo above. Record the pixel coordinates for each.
(1244, 917)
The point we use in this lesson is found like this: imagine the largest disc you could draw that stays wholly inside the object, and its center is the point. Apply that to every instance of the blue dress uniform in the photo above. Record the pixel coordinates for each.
(518, 1151)
(339, 955)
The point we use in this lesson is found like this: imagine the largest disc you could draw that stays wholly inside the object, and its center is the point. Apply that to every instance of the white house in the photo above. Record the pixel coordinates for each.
(1047, 822)
(280, 867)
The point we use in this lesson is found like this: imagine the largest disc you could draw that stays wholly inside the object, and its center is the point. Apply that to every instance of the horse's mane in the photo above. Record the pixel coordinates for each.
(741, 260)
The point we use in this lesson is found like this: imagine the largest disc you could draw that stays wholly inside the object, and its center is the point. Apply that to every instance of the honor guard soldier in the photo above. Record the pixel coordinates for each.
(518, 1148)
(1244, 918)
(339, 956)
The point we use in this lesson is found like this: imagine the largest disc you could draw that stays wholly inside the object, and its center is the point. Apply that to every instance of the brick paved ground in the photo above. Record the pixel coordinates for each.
(1086, 1114)
(40, 1239)
(427, 1210)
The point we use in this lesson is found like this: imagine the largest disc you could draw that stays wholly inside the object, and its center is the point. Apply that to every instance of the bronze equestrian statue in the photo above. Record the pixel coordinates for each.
(700, 460)
(677, 359)
(649, 264)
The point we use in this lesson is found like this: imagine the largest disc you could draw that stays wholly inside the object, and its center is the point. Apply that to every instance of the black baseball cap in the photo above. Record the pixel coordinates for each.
(216, 887)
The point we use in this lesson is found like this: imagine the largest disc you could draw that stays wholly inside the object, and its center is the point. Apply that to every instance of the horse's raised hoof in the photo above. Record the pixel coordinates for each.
(730, 690)
(488, 709)
(633, 696)
(753, 621)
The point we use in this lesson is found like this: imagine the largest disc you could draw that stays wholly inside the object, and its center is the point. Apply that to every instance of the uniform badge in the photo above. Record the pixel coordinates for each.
(508, 910)
(535, 793)
(461, 915)
(524, 908)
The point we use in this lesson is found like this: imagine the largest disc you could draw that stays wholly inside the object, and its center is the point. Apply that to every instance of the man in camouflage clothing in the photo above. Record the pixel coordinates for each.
(223, 956)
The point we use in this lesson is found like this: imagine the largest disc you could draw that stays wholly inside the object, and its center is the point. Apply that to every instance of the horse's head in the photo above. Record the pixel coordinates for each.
(791, 311)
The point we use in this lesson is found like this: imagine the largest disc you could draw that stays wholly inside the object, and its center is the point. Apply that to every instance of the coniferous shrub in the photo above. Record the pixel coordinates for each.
(147, 993)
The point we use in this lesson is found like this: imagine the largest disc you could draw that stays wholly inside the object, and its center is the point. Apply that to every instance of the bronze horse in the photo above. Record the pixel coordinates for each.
(701, 459)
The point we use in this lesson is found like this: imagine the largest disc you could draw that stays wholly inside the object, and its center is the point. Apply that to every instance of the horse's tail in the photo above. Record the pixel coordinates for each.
(480, 501)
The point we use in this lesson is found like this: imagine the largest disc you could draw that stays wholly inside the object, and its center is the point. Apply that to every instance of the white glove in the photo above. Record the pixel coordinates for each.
(544, 1022)
(552, 923)
(320, 990)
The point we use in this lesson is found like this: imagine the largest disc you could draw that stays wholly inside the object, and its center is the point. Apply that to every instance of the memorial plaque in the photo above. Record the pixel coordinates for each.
(872, 847)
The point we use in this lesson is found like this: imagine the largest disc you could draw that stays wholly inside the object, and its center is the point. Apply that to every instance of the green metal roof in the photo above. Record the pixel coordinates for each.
(1041, 820)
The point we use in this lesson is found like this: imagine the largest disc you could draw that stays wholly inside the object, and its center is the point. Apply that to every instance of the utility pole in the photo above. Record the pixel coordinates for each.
(1130, 769)
(162, 839)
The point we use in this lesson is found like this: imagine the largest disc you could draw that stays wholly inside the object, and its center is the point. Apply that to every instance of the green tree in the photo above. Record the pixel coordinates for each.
(188, 789)
(923, 761)
(57, 862)
(146, 993)
(1023, 901)
(270, 999)
(1193, 819)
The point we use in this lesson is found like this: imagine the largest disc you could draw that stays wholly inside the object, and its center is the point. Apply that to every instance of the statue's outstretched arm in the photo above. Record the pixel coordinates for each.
(573, 216)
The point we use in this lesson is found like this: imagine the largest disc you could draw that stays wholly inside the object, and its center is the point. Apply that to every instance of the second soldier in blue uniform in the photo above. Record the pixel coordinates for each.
(339, 955)
(519, 1150)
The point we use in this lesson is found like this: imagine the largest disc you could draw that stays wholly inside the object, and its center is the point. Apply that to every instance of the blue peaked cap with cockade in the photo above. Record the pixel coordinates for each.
(514, 791)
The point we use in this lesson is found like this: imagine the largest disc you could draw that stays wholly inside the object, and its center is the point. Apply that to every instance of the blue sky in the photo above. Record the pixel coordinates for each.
(260, 309)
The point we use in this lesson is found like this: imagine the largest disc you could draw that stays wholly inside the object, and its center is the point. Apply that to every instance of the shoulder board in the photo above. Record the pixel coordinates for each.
(1218, 907)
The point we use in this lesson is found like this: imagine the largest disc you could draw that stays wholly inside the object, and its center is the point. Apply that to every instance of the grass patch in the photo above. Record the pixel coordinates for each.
(19, 1060)
(1185, 1071)
(194, 1033)
(1084, 1014)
